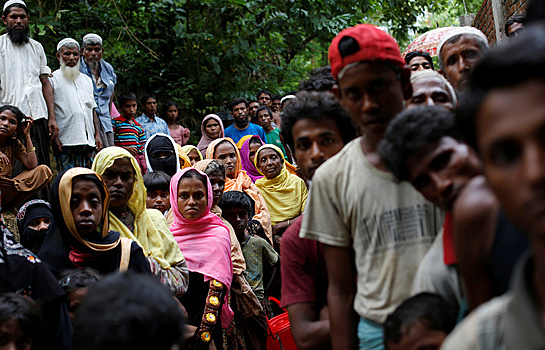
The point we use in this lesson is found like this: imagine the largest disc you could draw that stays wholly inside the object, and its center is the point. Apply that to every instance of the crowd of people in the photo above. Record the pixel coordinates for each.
(386, 204)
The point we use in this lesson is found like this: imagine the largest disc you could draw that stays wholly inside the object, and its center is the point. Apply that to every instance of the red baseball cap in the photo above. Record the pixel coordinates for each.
(375, 45)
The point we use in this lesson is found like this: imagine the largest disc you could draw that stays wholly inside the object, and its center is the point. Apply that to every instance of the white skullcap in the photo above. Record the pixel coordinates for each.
(13, 2)
(93, 38)
(65, 42)
(287, 97)
(477, 34)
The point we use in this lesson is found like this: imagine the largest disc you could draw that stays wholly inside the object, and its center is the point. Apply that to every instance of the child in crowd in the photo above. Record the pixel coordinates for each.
(158, 186)
(178, 132)
(75, 284)
(193, 153)
(128, 133)
(237, 208)
(420, 322)
(16, 189)
(19, 322)
(265, 120)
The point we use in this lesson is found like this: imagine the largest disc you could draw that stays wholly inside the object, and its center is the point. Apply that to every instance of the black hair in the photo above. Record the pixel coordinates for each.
(23, 310)
(125, 97)
(255, 139)
(156, 181)
(18, 114)
(92, 178)
(170, 104)
(150, 317)
(8, 9)
(320, 79)
(428, 307)
(535, 11)
(506, 65)
(412, 132)
(146, 97)
(515, 19)
(79, 278)
(239, 200)
(317, 106)
(237, 101)
(267, 92)
(213, 166)
(276, 97)
(252, 101)
(194, 174)
(413, 54)
(263, 108)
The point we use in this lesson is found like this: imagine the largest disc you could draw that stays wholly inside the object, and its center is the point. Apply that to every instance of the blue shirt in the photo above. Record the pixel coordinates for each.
(251, 129)
(152, 127)
(102, 95)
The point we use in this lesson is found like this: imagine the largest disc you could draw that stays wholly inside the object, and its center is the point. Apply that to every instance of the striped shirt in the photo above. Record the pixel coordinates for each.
(128, 133)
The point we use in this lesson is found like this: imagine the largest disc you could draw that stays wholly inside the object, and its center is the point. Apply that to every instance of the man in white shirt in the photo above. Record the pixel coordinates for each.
(75, 110)
(24, 79)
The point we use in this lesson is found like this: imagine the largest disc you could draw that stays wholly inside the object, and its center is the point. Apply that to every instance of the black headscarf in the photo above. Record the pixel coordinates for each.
(160, 143)
(32, 210)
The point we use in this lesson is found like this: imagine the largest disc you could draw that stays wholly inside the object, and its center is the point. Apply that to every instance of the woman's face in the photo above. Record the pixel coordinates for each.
(40, 224)
(225, 153)
(254, 146)
(172, 113)
(193, 156)
(86, 206)
(270, 163)
(192, 198)
(119, 179)
(212, 128)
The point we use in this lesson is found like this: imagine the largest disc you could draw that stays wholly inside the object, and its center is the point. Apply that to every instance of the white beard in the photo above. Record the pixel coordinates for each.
(70, 73)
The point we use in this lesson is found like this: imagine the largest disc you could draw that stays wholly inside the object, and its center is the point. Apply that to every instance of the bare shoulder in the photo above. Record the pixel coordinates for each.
(476, 203)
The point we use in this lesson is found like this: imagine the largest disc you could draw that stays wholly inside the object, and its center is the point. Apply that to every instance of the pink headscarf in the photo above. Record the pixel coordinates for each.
(205, 140)
(205, 242)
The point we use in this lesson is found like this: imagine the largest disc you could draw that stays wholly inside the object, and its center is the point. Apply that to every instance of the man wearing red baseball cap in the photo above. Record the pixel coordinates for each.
(357, 205)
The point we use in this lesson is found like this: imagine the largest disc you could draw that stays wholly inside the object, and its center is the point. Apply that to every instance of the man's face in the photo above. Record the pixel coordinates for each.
(92, 53)
(430, 91)
(442, 171)
(510, 129)
(275, 105)
(264, 99)
(150, 107)
(419, 336)
(119, 179)
(513, 30)
(252, 108)
(459, 59)
(239, 112)
(70, 57)
(264, 119)
(373, 95)
(419, 63)
(17, 19)
(315, 142)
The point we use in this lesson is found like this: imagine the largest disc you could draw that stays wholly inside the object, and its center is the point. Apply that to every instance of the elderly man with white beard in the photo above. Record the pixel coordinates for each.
(75, 110)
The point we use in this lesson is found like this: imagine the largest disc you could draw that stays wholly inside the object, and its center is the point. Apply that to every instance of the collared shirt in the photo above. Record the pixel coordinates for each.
(511, 321)
(74, 104)
(128, 133)
(103, 93)
(152, 127)
(20, 70)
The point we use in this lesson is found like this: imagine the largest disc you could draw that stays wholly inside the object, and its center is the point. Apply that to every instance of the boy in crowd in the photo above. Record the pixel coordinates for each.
(128, 133)
(158, 191)
(237, 209)
(420, 322)
(265, 120)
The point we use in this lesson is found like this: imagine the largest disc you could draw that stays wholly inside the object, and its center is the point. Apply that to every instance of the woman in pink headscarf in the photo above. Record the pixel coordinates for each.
(206, 244)
(211, 129)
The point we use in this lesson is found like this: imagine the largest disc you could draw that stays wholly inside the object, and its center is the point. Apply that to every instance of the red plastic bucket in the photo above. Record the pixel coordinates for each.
(280, 337)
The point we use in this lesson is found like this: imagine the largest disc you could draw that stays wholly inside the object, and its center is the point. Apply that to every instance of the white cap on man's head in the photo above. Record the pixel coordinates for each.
(93, 39)
(13, 2)
(65, 42)
(476, 33)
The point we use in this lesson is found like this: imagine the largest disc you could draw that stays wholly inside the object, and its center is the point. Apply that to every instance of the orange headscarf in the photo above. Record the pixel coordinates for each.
(243, 182)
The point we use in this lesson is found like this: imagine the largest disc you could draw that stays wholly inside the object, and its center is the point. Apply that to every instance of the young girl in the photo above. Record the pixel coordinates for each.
(16, 189)
(19, 322)
(206, 245)
(193, 153)
(178, 132)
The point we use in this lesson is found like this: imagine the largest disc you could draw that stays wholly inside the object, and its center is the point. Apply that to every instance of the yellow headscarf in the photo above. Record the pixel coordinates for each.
(184, 159)
(65, 193)
(188, 148)
(285, 194)
(150, 228)
(243, 182)
(242, 140)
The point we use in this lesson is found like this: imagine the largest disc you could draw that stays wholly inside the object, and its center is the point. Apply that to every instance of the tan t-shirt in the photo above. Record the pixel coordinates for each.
(389, 224)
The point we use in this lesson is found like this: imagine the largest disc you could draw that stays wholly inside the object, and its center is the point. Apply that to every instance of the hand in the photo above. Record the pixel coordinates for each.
(25, 127)
(98, 143)
(324, 313)
(53, 129)
(57, 144)
(4, 160)
(279, 229)
(132, 150)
